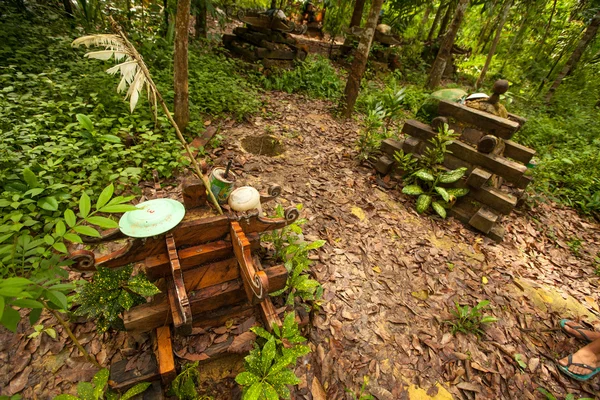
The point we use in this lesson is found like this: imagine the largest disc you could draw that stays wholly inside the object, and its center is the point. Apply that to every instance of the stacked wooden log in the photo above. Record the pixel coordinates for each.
(266, 42)
(496, 166)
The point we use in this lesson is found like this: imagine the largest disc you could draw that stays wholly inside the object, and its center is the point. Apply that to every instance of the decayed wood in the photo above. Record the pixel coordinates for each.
(484, 219)
(255, 223)
(207, 275)
(501, 127)
(156, 313)
(438, 122)
(256, 283)
(471, 135)
(391, 146)
(275, 54)
(124, 379)
(194, 193)
(158, 266)
(452, 162)
(220, 316)
(413, 145)
(268, 314)
(478, 177)
(487, 144)
(384, 165)
(134, 251)
(518, 152)
(178, 299)
(418, 130)
(524, 182)
(164, 354)
(496, 233)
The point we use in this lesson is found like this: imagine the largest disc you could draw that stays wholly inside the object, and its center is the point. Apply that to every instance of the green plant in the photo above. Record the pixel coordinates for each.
(111, 292)
(372, 133)
(267, 372)
(575, 245)
(185, 384)
(550, 396)
(39, 329)
(470, 319)
(362, 393)
(97, 390)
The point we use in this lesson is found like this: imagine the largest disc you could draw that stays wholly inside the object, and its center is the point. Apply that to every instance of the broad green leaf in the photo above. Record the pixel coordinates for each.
(488, 319)
(269, 392)
(439, 209)
(30, 178)
(315, 245)
(289, 323)
(48, 203)
(71, 237)
(57, 298)
(60, 247)
(70, 218)
(34, 315)
(85, 390)
(102, 222)
(423, 203)
(1, 306)
(10, 319)
(260, 331)
(442, 192)
(110, 138)
(100, 380)
(84, 205)
(85, 122)
(137, 389)
(482, 304)
(34, 192)
(118, 208)
(253, 392)
(141, 285)
(26, 303)
(246, 378)
(105, 196)
(412, 190)
(15, 282)
(286, 377)
(452, 176)
(50, 332)
(6, 236)
(268, 354)
(60, 227)
(86, 230)
(457, 192)
(10, 291)
(424, 175)
(66, 397)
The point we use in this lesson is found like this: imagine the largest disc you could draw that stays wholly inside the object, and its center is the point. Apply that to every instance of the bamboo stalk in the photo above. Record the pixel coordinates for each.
(142, 65)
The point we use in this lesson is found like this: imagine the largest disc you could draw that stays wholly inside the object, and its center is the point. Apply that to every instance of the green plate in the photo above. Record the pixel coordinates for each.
(154, 217)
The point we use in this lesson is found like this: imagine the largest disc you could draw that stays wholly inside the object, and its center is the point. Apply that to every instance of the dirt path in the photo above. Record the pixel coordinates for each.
(392, 276)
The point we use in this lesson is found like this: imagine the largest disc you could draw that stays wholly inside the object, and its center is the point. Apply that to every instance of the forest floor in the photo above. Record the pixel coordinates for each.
(391, 278)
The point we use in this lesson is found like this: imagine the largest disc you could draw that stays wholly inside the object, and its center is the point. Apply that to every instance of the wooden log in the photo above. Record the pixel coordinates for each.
(495, 198)
(123, 378)
(478, 177)
(496, 233)
(498, 126)
(484, 219)
(518, 152)
(391, 146)
(517, 118)
(487, 144)
(384, 165)
(178, 299)
(413, 145)
(158, 266)
(236, 48)
(256, 283)
(418, 130)
(524, 182)
(261, 52)
(452, 162)
(164, 354)
(156, 313)
(194, 193)
(438, 122)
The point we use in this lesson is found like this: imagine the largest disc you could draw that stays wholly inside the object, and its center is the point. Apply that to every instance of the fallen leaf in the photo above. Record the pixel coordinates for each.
(468, 386)
(317, 391)
(242, 343)
(421, 295)
(359, 213)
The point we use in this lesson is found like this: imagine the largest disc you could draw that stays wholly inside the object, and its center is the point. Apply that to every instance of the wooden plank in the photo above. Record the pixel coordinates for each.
(384, 165)
(158, 266)
(496, 233)
(498, 126)
(219, 317)
(452, 162)
(391, 146)
(418, 130)
(478, 177)
(484, 219)
(524, 181)
(268, 314)
(202, 230)
(156, 313)
(498, 165)
(518, 152)
(164, 354)
(123, 379)
(194, 193)
(413, 145)
(178, 299)
(256, 283)
(471, 135)
(517, 118)
(261, 52)
(495, 198)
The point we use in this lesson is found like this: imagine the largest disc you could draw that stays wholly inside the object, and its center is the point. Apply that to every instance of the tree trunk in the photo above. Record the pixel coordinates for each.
(166, 17)
(424, 20)
(359, 6)
(360, 59)
(484, 31)
(273, 4)
(181, 100)
(517, 39)
(68, 8)
(200, 19)
(129, 13)
(488, 60)
(571, 64)
(444, 25)
(543, 42)
(436, 20)
(445, 52)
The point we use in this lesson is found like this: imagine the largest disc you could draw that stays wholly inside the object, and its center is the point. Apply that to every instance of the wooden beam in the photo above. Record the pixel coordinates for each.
(418, 130)
(164, 354)
(384, 164)
(498, 126)
(478, 177)
(495, 198)
(194, 193)
(413, 145)
(123, 378)
(256, 283)
(391, 146)
(269, 315)
(484, 219)
(178, 299)
(518, 152)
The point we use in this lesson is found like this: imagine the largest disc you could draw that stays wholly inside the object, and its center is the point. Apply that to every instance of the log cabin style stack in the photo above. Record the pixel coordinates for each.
(265, 39)
(496, 166)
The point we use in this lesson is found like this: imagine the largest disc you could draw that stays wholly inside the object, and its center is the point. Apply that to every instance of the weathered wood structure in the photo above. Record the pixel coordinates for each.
(496, 165)
(206, 272)
(383, 57)
(265, 39)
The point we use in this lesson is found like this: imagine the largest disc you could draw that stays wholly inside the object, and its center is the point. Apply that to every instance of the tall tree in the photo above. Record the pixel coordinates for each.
(446, 19)
(445, 52)
(547, 29)
(488, 60)
(180, 71)
(200, 18)
(586, 39)
(355, 20)
(436, 20)
(486, 28)
(424, 20)
(360, 59)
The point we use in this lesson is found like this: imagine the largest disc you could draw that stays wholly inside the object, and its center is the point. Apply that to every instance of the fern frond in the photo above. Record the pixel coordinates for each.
(99, 40)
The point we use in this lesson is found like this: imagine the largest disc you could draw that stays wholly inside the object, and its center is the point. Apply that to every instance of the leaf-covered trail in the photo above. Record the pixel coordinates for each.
(391, 276)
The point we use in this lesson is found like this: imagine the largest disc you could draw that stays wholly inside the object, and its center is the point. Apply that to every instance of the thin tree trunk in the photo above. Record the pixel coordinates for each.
(68, 8)
(166, 16)
(181, 100)
(424, 20)
(488, 60)
(517, 39)
(571, 64)
(201, 19)
(484, 31)
(547, 30)
(273, 4)
(129, 13)
(360, 59)
(436, 21)
(439, 65)
(446, 20)
(359, 6)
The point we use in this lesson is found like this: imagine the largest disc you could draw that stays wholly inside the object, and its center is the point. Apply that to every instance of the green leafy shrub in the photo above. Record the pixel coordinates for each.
(185, 384)
(372, 133)
(315, 76)
(267, 372)
(97, 390)
(111, 292)
(470, 319)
